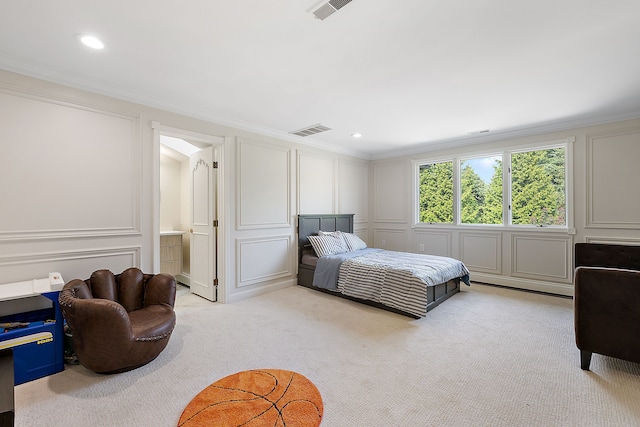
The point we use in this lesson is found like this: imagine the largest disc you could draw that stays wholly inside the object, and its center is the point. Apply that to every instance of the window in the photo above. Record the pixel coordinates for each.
(472, 190)
(481, 190)
(436, 192)
(538, 195)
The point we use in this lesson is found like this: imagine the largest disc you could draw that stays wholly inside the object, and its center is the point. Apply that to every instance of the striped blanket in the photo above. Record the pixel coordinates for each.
(398, 279)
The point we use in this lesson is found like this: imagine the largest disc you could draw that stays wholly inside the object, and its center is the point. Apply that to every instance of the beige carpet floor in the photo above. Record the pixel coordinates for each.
(489, 356)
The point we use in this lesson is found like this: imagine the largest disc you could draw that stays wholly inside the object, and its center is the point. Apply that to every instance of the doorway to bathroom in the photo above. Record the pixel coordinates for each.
(187, 242)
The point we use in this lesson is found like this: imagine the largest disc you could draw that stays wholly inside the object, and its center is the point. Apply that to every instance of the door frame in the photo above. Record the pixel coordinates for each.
(219, 144)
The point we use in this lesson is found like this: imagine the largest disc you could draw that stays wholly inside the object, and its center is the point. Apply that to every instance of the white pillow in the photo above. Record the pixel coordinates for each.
(354, 243)
(329, 233)
(328, 245)
(337, 234)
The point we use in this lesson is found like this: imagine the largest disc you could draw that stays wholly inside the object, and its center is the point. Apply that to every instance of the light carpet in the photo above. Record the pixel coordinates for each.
(488, 356)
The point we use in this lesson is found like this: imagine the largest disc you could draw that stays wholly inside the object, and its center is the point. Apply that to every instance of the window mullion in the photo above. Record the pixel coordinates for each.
(456, 191)
(506, 186)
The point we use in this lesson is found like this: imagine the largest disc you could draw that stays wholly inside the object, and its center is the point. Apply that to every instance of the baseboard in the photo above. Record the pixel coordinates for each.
(184, 279)
(244, 294)
(527, 284)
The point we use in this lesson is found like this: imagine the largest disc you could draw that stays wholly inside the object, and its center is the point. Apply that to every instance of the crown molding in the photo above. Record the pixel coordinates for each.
(538, 129)
(130, 95)
(14, 65)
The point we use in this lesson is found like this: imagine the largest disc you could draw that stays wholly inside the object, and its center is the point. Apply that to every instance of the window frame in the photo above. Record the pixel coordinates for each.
(566, 180)
(416, 185)
(505, 153)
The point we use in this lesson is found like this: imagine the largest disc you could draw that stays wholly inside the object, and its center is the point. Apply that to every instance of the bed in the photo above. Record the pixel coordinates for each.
(405, 283)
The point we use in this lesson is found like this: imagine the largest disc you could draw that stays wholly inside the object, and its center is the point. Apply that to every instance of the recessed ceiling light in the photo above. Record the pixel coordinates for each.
(356, 135)
(91, 41)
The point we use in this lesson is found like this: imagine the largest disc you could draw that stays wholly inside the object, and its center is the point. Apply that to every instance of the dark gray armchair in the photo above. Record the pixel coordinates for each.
(607, 301)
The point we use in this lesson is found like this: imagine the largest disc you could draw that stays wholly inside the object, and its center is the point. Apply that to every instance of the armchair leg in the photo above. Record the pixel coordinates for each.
(585, 359)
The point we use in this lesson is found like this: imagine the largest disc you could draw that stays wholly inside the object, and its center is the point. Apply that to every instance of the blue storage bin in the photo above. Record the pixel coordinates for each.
(38, 349)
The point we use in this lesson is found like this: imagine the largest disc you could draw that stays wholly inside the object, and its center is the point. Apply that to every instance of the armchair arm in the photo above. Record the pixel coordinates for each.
(74, 289)
(101, 319)
(607, 311)
(94, 322)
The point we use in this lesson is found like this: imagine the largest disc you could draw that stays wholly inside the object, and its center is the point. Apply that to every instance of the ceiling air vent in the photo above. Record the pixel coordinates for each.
(311, 130)
(324, 10)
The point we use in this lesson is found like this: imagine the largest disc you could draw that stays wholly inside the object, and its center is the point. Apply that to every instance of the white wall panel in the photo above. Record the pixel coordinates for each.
(392, 240)
(362, 233)
(481, 252)
(261, 259)
(72, 264)
(78, 164)
(354, 189)
(542, 257)
(263, 185)
(170, 193)
(79, 183)
(316, 184)
(390, 197)
(612, 180)
(613, 240)
(433, 243)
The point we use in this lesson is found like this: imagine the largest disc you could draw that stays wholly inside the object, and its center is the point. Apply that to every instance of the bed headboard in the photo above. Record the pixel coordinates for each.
(309, 225)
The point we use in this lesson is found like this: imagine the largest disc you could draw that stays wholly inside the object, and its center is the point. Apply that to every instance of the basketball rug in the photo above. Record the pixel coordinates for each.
(261, 397)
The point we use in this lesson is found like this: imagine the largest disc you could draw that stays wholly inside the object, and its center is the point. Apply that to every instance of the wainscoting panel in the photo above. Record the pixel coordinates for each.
(262, 259)
(613, 241)
(433, 243)
(392, 240)
(263, 185)
(316, 183)
(362, 233)
(353, 189)
(542, 257)
(389, 179)
(78, 163)
(72, 265)
(482, 252)
(612, 177)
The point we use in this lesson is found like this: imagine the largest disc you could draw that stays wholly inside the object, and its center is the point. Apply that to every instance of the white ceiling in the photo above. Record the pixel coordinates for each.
(408, 74)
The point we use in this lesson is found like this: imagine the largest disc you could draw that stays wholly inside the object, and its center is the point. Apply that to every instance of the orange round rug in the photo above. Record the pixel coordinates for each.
(261, 397)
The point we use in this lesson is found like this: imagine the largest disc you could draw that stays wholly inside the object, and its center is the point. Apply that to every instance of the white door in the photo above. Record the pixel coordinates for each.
(203, 232)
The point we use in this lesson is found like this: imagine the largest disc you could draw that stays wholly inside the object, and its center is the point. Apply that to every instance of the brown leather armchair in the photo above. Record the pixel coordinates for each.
(607, 301)
(119, 322)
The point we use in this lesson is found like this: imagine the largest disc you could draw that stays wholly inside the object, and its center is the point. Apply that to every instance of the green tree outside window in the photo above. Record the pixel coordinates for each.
(538, 190)
(481, 198)
(436, 193)
(538, 187)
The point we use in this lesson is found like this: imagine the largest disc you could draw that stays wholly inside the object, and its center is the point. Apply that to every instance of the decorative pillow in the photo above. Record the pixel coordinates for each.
(354, 243)
(328, 245)
(329, 233)
(337, 234)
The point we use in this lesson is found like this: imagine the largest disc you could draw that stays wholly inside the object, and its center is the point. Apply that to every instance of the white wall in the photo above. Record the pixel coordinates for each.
(77, 186)
(170, 193)
(79, 174)
(274, 182)
(605, 201)
(72, 187)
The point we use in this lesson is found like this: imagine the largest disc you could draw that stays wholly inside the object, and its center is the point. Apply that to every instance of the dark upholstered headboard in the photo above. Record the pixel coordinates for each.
(309, 225)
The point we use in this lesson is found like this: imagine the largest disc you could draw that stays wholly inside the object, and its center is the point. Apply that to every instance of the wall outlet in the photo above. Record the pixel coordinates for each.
(384, 243)
(421, 247)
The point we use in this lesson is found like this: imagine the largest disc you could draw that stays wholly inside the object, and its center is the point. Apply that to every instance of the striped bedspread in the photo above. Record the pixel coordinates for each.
(398, 279)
